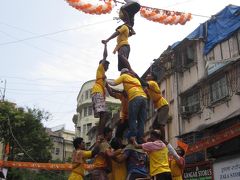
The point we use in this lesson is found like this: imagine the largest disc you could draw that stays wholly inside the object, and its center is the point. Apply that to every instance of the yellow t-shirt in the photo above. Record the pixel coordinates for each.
(99, 85)
(100, 160)
(155, 94)
(176, 171)
(122, 38)
(159, 161)
(131, 85)
(119, 170)
(79, 157)
(124, 106)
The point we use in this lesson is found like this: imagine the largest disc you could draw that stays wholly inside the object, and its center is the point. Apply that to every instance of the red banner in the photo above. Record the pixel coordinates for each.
(215, 139)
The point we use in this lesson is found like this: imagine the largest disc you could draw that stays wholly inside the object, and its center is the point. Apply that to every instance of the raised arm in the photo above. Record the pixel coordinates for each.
(110, 91)
(105, 54)
(115, 34)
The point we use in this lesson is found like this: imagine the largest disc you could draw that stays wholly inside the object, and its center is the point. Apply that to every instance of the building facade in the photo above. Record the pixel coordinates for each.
(200, 78)
(84, 118)
(62, 143)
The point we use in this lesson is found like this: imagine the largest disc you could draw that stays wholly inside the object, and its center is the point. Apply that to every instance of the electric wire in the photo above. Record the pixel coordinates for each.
(47, 52)
(15, 139)
(53, 33)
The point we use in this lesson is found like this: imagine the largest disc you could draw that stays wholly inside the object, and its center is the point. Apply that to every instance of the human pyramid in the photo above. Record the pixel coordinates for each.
(140, 158)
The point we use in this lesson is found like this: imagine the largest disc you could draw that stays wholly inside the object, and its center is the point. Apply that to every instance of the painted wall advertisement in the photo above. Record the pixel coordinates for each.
(198, 172)
(228, 169)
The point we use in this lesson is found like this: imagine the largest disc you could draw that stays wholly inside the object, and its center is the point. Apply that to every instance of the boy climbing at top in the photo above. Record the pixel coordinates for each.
(122, 32)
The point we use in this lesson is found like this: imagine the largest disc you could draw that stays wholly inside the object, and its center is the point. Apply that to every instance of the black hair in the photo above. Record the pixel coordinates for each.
(106, 62)
(180, 151)
(157, 134)
(77, 141)
(106, 130)
(115, 143)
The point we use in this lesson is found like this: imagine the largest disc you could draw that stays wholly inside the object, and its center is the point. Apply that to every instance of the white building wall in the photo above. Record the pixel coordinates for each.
(84, 100)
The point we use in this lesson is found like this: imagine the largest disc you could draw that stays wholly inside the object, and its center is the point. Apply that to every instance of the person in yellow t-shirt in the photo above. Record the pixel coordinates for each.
(78, 159)
(102, 160)
(122, 125)
(177, 165)
(159, 102)
(137, 103)
(98, 91)
(158, 156)
(119, 169)
(126, 14)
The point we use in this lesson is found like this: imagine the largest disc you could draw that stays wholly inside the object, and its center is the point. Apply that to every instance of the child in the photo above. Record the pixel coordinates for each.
(122, 33)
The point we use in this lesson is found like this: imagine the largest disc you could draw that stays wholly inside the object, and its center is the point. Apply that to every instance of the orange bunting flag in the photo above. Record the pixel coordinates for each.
(182, 145)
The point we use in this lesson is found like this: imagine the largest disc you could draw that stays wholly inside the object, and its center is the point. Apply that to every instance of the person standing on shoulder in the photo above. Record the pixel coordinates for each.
(98, 92)
(159, 102)
(124, 31)
(137, 102)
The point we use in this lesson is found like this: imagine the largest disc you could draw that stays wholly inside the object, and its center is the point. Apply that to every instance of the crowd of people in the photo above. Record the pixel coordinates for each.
(143, 156)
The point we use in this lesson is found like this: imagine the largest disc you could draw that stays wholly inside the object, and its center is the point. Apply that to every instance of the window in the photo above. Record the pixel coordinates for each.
(80, 115)
(189, 55)
(191, 103)
(86, 94)
(89, 126)
(85, 111)
(57, 151)
(84, 129)
(81, 100)
(79, 129)
(218, 89)
(89, 110)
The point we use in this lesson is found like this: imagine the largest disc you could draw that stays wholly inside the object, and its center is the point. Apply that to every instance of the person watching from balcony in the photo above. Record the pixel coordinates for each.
(98, 92)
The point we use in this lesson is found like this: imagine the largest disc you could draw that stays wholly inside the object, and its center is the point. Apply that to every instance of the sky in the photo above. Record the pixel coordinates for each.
(49, 49)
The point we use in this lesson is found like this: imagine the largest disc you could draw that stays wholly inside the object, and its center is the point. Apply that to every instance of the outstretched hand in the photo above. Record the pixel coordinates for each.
(104, 41)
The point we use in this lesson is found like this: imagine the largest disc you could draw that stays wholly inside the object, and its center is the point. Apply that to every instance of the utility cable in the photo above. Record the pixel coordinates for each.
(53, 33)
(15, 139)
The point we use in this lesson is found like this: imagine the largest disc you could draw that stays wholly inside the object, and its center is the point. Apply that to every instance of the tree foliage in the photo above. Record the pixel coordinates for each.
(24, 131)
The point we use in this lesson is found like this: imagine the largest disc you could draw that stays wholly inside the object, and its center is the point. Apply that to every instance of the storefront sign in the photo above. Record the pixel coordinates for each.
(198, 171)
(227, 170)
